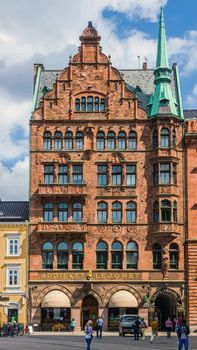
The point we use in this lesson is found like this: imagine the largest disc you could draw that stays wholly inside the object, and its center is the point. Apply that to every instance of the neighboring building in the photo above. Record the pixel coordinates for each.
(13, 261)
(106, 197)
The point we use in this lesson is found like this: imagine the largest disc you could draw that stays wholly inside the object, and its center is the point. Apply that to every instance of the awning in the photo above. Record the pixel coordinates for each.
(123, 298)
(55, 298)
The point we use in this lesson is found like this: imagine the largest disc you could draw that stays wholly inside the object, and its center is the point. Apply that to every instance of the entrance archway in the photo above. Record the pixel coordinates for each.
(165, 306)
(89, 310)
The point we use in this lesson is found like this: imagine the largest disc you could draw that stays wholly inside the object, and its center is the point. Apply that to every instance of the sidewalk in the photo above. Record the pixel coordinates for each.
(109, 334)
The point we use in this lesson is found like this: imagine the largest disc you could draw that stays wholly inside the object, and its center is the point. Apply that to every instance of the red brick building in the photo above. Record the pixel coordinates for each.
(106, 197)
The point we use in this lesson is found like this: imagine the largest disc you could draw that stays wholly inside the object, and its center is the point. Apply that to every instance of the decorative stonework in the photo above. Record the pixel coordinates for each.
(62, 190)
(62, 227)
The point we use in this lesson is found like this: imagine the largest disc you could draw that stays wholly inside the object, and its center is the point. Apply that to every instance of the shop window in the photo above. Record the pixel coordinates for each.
(174, 256)
(116, 175)
(77, 256)
(111, 141)
(100, 141)
(175, 217)
(77, 174)
(131, 175)
(132, 141)
(165, 173)
(68, 140)
(165, 138)
(77, 105)
(131, 213)
(156, 211)
(52, 316)
(116, 212)
(47, 256)
(157, 256)
(102, 175)
(48, 174)
(63, 174)
(62, 255)
(101, 255)
(47, 141)
(155, 174)
(116, 255)
(155, 139)
(102, 213)
(121, 141)
(63, 212)
(165, 210)
(79, 140)
(48, 212)
(77, 212)
(58, 140)
(132, 255)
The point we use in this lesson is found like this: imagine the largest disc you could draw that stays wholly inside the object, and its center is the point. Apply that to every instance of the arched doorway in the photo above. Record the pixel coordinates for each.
(89, 310)
(165, 306)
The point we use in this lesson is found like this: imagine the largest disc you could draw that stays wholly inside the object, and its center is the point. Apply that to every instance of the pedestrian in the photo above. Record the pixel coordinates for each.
(136, 329)
(99, 326)
(154, 327)
(143, 328)
(169, 327)
(88, 334)
(183, 332)
(72, 325)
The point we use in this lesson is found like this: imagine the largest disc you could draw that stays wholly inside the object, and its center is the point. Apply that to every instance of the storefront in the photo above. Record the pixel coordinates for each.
(55, 311)
(121, 303)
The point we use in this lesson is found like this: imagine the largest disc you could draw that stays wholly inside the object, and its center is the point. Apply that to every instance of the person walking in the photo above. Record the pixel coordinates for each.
(72, 325)
(169, 327)
(136, 328)
(88, 334)
(99, 326)
(143, 328)
(183, 332)
(154, 327)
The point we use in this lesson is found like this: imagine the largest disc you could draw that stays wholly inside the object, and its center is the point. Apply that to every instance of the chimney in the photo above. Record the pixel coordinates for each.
(144, 66)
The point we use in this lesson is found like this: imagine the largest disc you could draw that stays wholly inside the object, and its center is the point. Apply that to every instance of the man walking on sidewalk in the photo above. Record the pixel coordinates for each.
(99, 326)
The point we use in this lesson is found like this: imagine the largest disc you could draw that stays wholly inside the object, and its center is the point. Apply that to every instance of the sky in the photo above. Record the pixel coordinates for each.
(47, 31)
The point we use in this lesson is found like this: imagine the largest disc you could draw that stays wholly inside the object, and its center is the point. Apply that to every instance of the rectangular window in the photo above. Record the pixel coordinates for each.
(77, 174)
(13, 277)
(13, 246)
(155, 174)
(102, 175)
(116, 175)
(77, 263)
(117, 260)
(63, 174)
(175, 173)
(101, 260)
(131, 175)
(48, 174)
(164, 173)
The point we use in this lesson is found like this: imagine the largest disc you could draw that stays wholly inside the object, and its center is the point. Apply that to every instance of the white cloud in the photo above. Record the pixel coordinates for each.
(14, 182)
(192, 98)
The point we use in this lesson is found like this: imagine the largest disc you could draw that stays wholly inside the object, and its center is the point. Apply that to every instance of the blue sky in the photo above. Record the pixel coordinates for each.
(47, 31)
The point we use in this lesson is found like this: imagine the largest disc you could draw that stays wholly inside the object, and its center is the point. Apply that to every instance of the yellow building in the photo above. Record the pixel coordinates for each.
(13, 261)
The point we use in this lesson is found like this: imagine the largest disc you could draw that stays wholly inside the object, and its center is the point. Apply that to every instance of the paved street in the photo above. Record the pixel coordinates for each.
(77, 342)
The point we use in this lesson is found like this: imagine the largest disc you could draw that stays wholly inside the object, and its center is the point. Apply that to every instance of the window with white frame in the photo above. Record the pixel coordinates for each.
(13, 245)
(13, 276)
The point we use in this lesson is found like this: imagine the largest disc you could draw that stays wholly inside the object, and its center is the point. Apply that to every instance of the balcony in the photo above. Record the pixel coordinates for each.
(119, 191)
(66, 190)
(62, 227)
(167, 228)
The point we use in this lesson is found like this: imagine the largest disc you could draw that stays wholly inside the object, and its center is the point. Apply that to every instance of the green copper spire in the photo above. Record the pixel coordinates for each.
(163, 101)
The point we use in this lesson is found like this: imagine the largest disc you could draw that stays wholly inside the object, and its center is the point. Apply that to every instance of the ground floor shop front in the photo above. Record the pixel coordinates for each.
(13, 308)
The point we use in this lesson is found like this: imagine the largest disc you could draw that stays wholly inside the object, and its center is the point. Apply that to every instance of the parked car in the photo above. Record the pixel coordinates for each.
(126, 324)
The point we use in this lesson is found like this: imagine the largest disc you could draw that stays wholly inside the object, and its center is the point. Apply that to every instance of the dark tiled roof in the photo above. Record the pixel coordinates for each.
(14, 211)
(190, 113)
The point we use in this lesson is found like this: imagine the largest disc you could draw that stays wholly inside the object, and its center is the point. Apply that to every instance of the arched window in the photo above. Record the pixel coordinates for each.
(100, 141)
(102, 213)
(174, 256)
(111, 141)
(132, 141)
(83, 104)
(58, 140)
(175, 218)
(77, 212)
(156, 211)
(101, 255)
(116, 212)
(165, 210)
(77, 256)
(132, 255)
(62, 255)
(79, 140)
(47, 141)
(165, 138)
(174, 138)
(131, 212)
(102, 104)
(77, 105)
(63, 212)
(90, 103)
(116, 255)
(96, 104)
(155, 139)
(121, 141)
(48, 212)
(47, 256)
(69, 140)
(157, 256)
